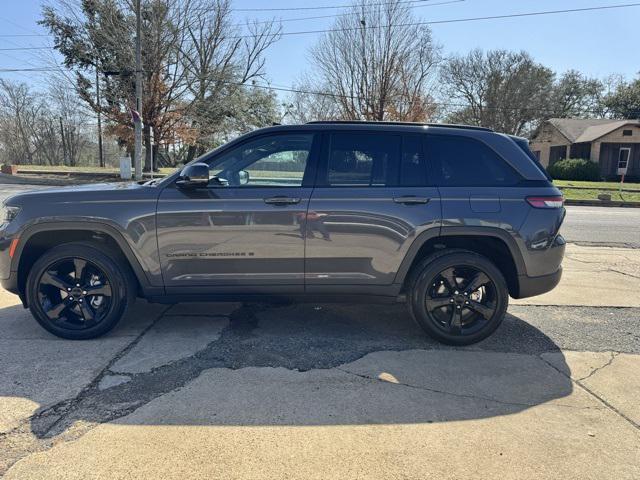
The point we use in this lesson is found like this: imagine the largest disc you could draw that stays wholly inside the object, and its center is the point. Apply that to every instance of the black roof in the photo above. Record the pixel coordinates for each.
(409, 124)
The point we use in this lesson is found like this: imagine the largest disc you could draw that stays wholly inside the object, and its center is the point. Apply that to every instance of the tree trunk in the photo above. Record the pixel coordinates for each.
(191, 153)
(146, 135)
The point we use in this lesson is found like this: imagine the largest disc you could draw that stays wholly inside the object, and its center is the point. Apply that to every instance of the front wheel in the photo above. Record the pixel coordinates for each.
(77, 291)
(458, 297)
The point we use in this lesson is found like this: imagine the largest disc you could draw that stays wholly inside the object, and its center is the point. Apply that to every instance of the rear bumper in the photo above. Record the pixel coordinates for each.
(532, 286)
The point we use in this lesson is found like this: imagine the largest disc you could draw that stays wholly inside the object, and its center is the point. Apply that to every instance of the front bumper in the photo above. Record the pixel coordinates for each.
(10, 283)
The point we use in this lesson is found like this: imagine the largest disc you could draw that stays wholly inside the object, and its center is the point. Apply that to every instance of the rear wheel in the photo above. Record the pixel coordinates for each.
(458, 297)
(77, 291)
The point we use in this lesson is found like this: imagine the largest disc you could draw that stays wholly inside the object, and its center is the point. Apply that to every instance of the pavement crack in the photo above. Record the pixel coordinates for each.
(594, 394)
(595, 370)
(96, 381)
(453, 394)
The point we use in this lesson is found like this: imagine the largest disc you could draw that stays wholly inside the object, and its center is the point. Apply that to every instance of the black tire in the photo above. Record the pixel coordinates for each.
(107, 288)
(449, 313)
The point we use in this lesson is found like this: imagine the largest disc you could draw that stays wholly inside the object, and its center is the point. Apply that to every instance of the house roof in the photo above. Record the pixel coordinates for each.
(588, 129)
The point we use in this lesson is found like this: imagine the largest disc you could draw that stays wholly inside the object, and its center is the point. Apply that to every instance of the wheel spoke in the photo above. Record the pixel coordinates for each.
(54, 280)
(484, 310)
(104, 290)
(450, 278)
(478, 280)
(87, 314)
(438, 302)
(55, 311)
(455, 320)
(79, 267)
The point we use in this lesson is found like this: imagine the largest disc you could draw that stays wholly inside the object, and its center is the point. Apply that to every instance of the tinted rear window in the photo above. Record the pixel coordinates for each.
(463, 161)
(358, 159)
(524, 145)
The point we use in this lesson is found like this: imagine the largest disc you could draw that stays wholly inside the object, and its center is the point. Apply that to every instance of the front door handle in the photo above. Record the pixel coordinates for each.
(411, 200)
(281, 200)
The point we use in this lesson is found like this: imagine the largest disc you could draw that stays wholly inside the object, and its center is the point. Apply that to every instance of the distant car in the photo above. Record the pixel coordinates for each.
(448, 219)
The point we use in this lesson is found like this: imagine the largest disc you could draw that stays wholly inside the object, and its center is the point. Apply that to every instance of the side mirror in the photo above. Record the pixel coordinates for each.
(195, 175)
(243, 177)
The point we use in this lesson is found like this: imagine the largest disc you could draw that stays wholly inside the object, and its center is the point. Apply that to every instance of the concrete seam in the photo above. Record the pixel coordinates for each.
(596, 396)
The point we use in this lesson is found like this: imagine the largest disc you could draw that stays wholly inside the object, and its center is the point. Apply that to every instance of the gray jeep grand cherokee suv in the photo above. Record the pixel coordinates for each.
(448, 219)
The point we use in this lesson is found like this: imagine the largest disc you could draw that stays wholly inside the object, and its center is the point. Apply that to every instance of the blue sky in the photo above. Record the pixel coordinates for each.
(597, 43)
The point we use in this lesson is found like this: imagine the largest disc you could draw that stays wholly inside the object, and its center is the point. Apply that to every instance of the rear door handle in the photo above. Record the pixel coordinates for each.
(280, 200)
(410, 200)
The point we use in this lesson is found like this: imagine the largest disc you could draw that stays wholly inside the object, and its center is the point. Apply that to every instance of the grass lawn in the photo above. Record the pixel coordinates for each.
(575, 194)
(596, 185)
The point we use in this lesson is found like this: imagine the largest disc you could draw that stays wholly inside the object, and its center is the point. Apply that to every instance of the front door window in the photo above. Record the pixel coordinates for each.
(270, 161)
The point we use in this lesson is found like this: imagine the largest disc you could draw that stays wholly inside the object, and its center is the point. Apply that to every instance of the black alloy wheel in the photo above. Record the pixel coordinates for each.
(80, 290)
(458, 297)
(75, 293)
(461, 300)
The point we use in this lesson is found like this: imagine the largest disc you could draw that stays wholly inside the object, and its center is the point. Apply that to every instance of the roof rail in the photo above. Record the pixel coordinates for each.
(417, 124)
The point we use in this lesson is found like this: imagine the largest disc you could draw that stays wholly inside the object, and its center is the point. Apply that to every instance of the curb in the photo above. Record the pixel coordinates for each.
(602, 189)
(599, 203)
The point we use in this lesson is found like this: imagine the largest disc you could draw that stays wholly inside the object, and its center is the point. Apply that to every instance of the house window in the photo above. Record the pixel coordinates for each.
(557, 153)
(627, 133)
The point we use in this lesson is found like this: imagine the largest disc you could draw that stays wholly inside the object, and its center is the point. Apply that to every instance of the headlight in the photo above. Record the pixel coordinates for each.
(8, 213)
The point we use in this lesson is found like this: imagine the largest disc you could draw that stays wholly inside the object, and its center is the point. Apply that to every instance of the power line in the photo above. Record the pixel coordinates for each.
(283, 20)
(323, 7)
(8, 35)
(355, 97)
(25, 48)
(35, 69)
(459, 20)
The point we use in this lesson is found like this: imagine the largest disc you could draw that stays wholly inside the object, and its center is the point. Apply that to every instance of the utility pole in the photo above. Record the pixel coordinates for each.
(137, 155)
(100, 151)
(64, 143)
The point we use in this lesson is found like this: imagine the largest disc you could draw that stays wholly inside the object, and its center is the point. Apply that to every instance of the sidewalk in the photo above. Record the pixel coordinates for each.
(595, 276)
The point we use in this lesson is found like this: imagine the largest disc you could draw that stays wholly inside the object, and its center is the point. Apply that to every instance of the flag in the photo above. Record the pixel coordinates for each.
(135, 116)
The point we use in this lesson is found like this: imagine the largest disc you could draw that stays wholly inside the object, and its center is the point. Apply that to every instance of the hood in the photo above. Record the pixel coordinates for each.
(93, 192)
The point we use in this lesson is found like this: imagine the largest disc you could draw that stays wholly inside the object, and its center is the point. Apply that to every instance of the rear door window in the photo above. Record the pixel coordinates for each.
(362, 159)
(413, 168)
(461, 161)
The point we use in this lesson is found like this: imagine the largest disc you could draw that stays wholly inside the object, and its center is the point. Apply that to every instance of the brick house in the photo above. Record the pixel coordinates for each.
(607, 142)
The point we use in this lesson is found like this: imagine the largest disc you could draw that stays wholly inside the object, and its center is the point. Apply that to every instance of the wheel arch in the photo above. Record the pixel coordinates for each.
(495, 244)
(37, 239)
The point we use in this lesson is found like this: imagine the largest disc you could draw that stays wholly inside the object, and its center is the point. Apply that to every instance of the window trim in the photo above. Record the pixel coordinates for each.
(437, 177)
(309, 171)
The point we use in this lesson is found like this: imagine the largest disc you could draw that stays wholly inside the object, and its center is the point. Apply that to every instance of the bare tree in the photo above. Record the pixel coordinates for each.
(503, 90)
(36, 127)
(375, 64)
(219, 61)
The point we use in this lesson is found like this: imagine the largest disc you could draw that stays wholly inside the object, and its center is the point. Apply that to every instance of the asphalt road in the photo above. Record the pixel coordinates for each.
(585, 225)
(599, 225)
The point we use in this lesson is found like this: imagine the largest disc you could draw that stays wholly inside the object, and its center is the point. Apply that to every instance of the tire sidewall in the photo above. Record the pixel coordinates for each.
(433, 266)
(114, 272)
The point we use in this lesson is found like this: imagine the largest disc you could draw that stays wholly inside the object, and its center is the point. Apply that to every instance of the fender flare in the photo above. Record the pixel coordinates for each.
(489, 232)
(93, 226)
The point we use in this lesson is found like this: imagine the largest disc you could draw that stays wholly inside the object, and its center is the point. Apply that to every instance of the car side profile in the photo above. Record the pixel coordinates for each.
(451, 220)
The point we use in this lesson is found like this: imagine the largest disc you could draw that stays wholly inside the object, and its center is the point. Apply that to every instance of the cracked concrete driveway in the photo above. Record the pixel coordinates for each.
(333, 391)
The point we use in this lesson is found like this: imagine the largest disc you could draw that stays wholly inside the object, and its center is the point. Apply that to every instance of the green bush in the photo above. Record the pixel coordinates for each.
(575, 169)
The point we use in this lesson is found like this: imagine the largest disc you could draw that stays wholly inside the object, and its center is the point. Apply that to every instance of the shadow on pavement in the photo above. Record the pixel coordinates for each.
(327, 365)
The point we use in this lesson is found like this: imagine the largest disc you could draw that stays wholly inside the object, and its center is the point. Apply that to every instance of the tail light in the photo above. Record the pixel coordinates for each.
(546, 202)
